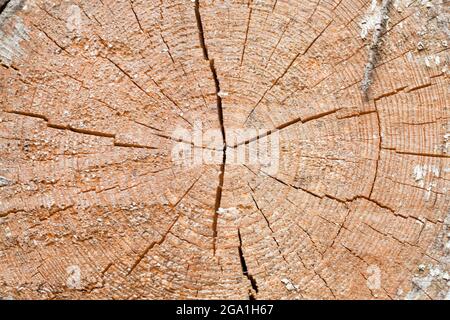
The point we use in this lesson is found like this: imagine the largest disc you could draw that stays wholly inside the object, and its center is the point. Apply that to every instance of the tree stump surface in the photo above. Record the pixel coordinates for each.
(93, 203)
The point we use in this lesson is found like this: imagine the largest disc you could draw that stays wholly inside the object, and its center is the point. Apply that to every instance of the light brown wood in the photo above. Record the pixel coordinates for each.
(354, 95)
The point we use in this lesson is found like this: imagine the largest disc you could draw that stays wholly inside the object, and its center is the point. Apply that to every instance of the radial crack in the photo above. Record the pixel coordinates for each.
(220, 116)
(245, 269)
(200, 30)
(285, 125)
(277, 80)
(380, 145)
(81, 131)
(268, 225)
(246, 36)
(163, 238)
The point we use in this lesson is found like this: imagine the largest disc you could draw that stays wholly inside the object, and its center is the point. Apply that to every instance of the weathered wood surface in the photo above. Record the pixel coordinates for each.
(93, 205)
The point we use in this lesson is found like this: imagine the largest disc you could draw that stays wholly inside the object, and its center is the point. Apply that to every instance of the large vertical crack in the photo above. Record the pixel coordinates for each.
(198, 17)
(245, 270)
(220, 116)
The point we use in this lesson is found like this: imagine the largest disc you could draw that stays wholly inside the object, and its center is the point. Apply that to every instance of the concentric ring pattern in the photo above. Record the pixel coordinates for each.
(93, 203)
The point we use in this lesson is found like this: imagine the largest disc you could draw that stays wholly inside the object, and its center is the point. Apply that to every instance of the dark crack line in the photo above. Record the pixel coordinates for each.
(108, 135)
(163, 238)
(421, 154)
(246, 36)
(245, 272)
(380, 145)
(200, 30)
(274, 5)
(3, 6)
(218, 200)
(314, 11)
(81, 131)
(284, 126)
(138, 86)
(136, 16)
(268, 224)
(286, 70)
(343, 201)
(56, 43)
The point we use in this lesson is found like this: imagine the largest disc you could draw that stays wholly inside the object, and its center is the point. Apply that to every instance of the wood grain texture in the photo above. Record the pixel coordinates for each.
(92, 91)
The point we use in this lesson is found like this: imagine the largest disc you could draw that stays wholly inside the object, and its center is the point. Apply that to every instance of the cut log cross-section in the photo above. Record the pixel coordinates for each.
(229, 149)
